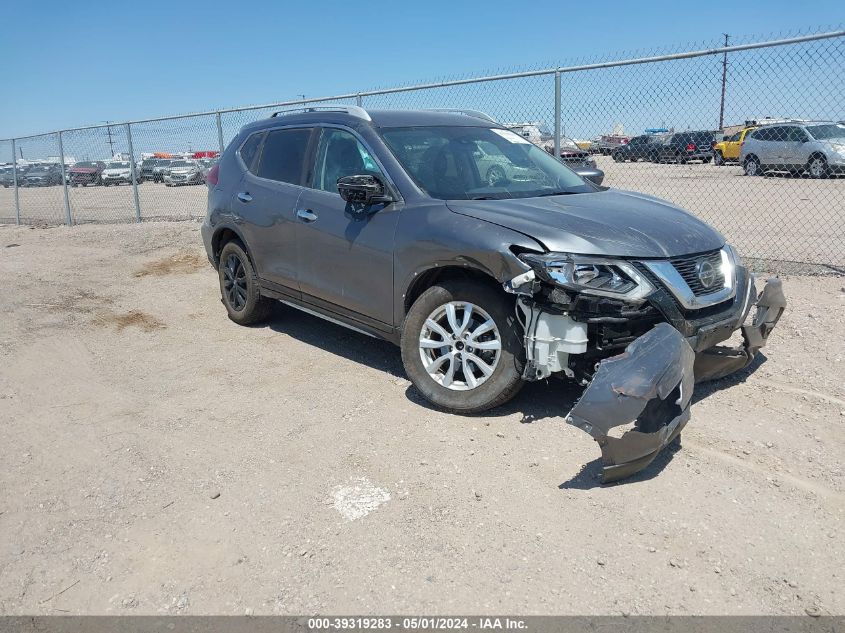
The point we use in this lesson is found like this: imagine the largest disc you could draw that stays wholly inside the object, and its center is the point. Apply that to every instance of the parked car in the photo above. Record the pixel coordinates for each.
(727, 149)
(682, 147)
(815, 148)
(387, 222)
(145, 171)
(117, 172)
(86, 173)
(607, 143)
(7, 176)
(160, 169)
(206, 164)
(183, 172)
(43, 175)
(643, 147)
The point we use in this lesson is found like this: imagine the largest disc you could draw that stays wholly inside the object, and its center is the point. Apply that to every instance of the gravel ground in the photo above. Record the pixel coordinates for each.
(774, 218)
(157, 458)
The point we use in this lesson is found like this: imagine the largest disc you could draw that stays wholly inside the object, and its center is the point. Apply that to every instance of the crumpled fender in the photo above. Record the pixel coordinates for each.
(650, 385)
(720, 360)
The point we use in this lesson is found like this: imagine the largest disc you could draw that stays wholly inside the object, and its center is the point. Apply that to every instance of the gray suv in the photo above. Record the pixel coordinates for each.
(815, 148)
(388, 223)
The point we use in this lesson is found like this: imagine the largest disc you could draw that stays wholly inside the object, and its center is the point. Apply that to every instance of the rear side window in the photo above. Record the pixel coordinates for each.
(283, 155)
(249, 149)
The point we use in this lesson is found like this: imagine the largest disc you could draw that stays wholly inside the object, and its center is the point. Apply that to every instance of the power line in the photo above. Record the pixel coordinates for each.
(111, 141)
(724, 84)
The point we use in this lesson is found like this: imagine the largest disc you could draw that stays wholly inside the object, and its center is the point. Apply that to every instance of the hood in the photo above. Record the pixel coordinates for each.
(83, 170)
(613, 222)
(116, 171)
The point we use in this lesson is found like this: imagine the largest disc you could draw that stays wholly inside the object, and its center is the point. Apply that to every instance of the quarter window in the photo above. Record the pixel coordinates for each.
(283, 155)
(249, 149)
(341, 154)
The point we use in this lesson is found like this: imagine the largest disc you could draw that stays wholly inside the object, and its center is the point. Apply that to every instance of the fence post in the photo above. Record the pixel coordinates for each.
(557, 114)
(359, 100)
(15, 180)
(68, 218)
(133, 174)
(220, 133)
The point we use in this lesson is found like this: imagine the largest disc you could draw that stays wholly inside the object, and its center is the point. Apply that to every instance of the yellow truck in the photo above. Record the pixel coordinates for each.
(727, 150)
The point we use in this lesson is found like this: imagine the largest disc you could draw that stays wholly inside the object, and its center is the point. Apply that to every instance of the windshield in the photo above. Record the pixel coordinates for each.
(117, 166)
(465, 163)
(85, 164)
(828, 131)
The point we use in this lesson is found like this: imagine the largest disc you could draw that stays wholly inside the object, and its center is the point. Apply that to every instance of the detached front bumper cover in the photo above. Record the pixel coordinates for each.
(720, 361)
(648, 386)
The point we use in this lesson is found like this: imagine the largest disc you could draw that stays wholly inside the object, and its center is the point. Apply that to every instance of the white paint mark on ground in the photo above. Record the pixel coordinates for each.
(357, 499)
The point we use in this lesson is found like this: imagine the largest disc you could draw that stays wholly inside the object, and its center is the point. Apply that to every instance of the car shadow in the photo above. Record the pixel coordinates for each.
(589, 476)
(535, 402)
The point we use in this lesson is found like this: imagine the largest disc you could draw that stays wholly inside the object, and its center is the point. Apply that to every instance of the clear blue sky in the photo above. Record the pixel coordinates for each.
(66, 66)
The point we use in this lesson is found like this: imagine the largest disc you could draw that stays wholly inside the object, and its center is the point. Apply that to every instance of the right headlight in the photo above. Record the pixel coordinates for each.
(591, 275)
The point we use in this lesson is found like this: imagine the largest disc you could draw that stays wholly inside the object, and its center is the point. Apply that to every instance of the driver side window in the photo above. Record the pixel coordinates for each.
(341, 154)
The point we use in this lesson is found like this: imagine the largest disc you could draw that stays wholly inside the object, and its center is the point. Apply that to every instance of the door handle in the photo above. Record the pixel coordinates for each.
(244, 196)
(306, 215)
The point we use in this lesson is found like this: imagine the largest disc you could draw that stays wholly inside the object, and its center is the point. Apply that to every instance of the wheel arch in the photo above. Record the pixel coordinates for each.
(431, 276)
(224, 234)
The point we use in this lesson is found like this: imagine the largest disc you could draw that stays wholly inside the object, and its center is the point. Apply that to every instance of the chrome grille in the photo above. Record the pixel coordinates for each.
(689, 267)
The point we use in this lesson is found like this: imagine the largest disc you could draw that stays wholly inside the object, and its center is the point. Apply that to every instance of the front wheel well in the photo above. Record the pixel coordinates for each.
(817, 154)
(439, 274)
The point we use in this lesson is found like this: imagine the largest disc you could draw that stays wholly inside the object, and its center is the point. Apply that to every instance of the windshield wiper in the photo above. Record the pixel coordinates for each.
(485, 198)
(556, 193)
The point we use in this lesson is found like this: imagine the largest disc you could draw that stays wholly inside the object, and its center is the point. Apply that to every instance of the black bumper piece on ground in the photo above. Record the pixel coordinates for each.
(649, 387)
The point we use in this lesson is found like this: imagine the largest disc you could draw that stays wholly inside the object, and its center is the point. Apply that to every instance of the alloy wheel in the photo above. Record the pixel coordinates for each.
(234, 282)
(460, 346)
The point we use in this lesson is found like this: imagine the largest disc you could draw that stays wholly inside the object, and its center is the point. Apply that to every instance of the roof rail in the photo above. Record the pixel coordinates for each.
(474, 113)
(355, 111)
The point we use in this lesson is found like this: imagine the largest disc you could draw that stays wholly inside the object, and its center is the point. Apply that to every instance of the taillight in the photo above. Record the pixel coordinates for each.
(213, 175)
(690, 147)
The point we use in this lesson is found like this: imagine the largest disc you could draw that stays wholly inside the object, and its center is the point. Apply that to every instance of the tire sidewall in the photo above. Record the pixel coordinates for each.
(506, 378)
(253, 295)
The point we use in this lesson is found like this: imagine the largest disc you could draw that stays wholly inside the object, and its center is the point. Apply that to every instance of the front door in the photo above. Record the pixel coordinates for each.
(345, 256)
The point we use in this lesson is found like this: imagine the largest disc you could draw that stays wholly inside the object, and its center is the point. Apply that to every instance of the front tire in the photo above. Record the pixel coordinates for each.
(817, 167)
(239, 287)
(461, 347)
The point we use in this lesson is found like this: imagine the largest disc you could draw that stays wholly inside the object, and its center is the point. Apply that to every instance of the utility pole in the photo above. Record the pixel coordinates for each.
(111, 141)
(724, 84)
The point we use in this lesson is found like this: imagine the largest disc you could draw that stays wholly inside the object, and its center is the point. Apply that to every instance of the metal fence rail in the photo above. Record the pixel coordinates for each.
(786, 215)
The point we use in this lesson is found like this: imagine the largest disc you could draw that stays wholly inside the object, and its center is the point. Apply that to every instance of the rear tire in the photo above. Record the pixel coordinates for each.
(618, 157)
(751, 166)
(507, 361)
(239, 288)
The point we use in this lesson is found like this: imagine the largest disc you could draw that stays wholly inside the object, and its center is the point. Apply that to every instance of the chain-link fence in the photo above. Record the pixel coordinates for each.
(748, 136)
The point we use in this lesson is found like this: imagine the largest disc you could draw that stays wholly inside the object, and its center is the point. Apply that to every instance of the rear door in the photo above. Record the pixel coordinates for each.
(769, 145)
(345, 256)
(265, 201)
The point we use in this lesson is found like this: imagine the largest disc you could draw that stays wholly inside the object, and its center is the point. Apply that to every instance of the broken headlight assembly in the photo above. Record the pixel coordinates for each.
(591, 275)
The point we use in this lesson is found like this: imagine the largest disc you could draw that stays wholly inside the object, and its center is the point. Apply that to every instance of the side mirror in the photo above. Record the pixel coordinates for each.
(363, 189)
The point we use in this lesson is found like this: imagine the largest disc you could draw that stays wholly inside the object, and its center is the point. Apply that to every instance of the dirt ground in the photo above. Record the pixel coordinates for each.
(773, 218)
(157, 458)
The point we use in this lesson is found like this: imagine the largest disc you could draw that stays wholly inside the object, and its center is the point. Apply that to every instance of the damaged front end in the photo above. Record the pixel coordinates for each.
(648, 387)
(720, 361)
(639, 355)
